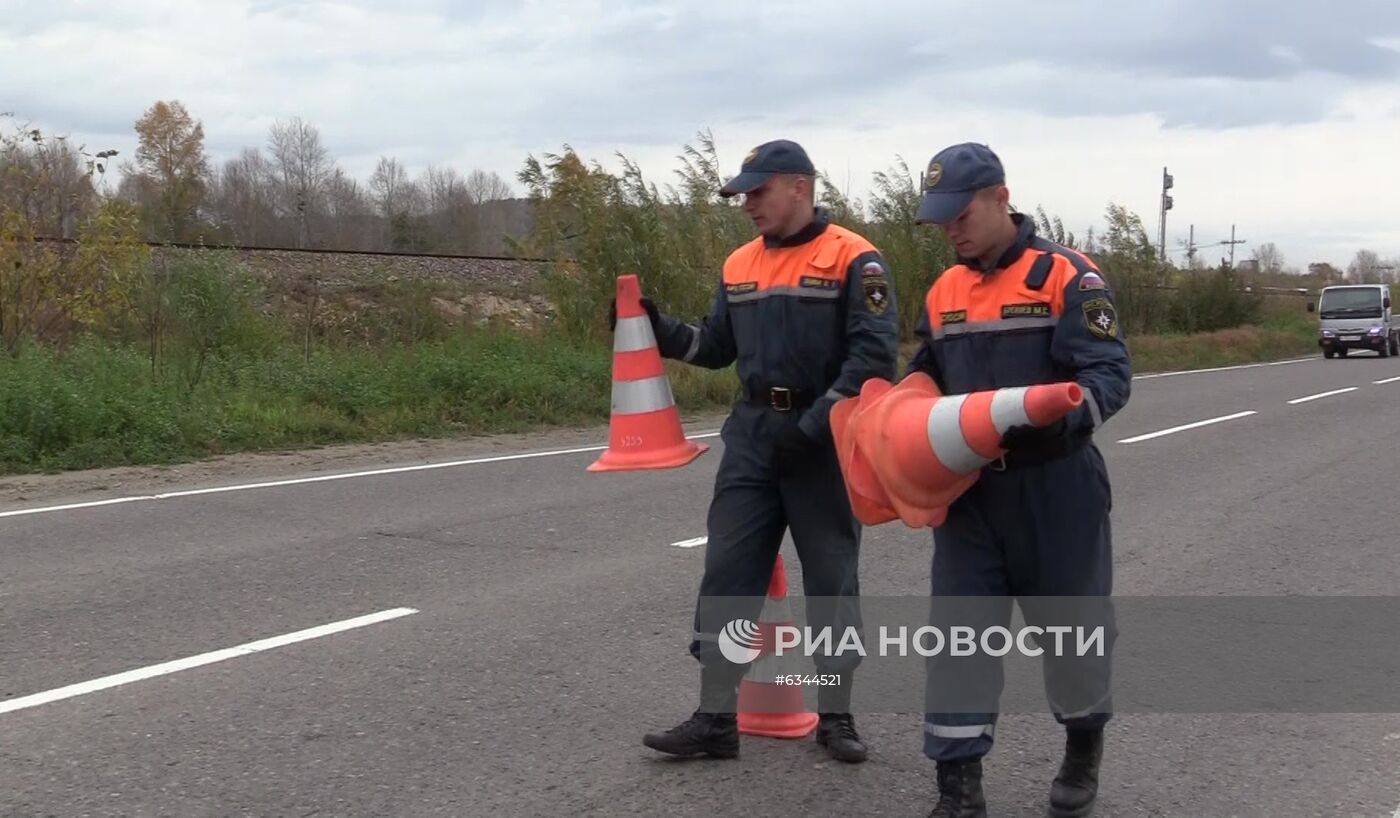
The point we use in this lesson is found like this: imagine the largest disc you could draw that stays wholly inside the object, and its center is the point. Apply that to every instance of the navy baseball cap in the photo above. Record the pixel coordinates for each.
(954, 175)
(764, 162)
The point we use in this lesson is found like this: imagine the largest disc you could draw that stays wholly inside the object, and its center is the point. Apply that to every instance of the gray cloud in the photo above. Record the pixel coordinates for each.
(1232, 40)
(427, 77)
(434, 72)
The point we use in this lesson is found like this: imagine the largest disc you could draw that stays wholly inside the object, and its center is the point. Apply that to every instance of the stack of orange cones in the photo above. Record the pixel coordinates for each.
(908, 451)
(645, 428)
(768, 707)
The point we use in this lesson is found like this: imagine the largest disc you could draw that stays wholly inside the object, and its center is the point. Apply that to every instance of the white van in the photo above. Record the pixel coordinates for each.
(1357, 316)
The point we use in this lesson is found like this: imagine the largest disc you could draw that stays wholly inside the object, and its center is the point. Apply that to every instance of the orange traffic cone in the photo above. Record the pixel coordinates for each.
(907, 451)
(766, 707)
(867, 494)
(645, 430)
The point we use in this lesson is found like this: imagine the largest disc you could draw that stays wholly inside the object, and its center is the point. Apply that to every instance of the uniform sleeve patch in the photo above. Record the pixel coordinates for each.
(1091, 281)
(1101, 318)
(1034, 309)
(872, 269)
(741, 287)
(953, 317)
(877, 295)
(819, 283)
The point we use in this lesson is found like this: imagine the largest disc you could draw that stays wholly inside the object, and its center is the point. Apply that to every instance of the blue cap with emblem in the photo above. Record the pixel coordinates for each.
(954, 175)
(766, 161)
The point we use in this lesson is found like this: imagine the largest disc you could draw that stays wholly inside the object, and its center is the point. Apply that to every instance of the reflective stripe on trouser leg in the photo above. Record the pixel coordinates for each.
(950, 742)
(959, 730)
(1095, 715)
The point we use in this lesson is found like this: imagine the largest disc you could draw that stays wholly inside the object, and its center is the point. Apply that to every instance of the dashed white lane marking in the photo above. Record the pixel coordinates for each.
(1387, 380)
(1150, 375)
(1329, 394)
(691, 543)
(1173, 430)
(141, 674)
(21, 512)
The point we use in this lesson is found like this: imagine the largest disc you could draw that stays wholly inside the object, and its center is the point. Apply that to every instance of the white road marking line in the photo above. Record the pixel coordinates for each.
(141, 674)
(1218, 369)
(1173, 430)
(1397, 813)
(1323, 395)
(1386, 380)
(691, 543)
(21, 512)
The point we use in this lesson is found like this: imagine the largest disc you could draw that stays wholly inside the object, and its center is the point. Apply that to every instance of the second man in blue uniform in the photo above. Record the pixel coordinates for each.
(806, 312)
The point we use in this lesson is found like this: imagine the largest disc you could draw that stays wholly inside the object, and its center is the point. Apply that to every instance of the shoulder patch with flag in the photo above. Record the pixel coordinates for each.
(1091, 281)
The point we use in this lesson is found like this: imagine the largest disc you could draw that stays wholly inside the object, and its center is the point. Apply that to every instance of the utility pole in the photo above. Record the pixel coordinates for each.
(1232, 242)
(1191, 247)
(1167, 183)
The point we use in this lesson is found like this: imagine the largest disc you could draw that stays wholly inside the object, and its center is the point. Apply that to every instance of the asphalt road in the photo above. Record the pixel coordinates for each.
(539, 616)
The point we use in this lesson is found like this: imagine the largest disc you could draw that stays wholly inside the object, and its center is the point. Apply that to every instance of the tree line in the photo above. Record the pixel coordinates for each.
(598, 223)
(289, 192)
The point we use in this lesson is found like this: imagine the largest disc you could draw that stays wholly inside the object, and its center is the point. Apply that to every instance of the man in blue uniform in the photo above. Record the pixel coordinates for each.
(1018, 310)
(806, 310)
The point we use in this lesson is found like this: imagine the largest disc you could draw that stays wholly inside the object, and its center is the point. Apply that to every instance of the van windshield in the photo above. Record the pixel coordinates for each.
(1356, 302)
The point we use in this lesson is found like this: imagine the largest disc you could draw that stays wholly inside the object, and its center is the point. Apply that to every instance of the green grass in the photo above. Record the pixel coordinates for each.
(100, 406)
(1286, 330)
(97, 405)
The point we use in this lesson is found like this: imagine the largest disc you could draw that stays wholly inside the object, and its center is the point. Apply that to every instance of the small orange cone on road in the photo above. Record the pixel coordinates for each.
(767, 707)
(645, 429)
(908, 451)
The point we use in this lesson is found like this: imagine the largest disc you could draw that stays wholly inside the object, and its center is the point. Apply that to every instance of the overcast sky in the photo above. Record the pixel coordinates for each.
(1284, 124)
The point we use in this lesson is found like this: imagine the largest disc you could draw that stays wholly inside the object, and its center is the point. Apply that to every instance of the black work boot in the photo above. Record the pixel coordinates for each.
(712, 734)
(960, 790)
(713, 729)
(1073, 791)
(837, 733)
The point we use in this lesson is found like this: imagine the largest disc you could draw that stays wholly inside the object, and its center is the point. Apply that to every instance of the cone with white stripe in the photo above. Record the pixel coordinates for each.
(645, 430)
(908, 451)
(768, 706)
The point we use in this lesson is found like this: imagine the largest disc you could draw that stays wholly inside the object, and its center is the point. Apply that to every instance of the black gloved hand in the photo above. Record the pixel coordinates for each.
(792, 450)
(647, 304)
(1032, 440)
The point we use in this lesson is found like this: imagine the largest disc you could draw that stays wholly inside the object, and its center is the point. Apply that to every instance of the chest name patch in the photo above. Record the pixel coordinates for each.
(818, 283)
(1031, 310)
(741, 287)
(953, 317)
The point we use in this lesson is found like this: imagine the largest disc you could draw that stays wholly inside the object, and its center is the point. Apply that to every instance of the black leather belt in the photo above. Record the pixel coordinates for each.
(780, 398)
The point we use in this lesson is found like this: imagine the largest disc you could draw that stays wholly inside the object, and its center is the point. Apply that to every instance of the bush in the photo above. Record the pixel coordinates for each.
(677, 241)
(1213, 300)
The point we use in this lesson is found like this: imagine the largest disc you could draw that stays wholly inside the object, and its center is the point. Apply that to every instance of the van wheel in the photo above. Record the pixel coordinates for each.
(1341, 353)
(1327, 353)
(1395, 344)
